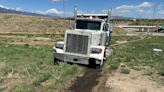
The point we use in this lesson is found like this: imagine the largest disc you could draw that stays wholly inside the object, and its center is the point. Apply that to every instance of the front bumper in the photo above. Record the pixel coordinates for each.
(71, 58)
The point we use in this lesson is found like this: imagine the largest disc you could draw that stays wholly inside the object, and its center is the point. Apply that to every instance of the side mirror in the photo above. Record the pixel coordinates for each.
(70, 25)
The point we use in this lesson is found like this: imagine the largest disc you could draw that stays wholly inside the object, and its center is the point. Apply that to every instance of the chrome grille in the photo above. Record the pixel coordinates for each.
(77, 44)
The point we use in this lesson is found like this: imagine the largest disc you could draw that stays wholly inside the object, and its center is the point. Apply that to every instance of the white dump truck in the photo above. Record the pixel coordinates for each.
(88, 42)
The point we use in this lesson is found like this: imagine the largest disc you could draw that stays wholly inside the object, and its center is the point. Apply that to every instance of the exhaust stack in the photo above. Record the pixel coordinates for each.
(75, 15)
(109, 15)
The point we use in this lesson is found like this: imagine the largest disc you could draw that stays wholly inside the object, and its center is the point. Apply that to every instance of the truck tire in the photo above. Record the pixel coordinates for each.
(109, 53)
(55, 61)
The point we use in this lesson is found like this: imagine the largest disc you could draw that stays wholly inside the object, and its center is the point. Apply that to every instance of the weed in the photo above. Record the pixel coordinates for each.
(62, 35)
(1, 81)
(161, 71)
(60, 40)
(134, 78)
(148, 72)
(136, 68)
(35, 40)
(41, 78)
(123, 65)
(12, 40)
(26, 45)
(125, 71)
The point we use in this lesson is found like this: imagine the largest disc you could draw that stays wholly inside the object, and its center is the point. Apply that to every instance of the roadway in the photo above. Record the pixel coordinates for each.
(137, 31)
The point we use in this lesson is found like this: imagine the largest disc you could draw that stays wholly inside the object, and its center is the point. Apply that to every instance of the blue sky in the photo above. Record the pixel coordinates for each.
(126, 8)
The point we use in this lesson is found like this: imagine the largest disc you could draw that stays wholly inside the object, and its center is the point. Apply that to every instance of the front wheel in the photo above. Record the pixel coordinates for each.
(55, 61)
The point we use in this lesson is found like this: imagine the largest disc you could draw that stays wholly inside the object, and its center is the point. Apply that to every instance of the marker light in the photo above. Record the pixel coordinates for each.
(96, 50)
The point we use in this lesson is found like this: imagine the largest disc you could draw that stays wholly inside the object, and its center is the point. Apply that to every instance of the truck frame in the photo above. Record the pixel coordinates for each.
(88, 42)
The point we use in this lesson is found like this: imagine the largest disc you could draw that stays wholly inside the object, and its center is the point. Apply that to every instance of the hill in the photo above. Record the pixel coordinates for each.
(13, 11)
(30, 24)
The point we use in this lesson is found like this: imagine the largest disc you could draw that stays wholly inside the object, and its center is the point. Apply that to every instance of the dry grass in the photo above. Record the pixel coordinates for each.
(118, 30)
(22, 23)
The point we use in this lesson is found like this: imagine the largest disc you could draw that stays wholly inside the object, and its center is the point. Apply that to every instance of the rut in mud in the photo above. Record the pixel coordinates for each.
(86, 82)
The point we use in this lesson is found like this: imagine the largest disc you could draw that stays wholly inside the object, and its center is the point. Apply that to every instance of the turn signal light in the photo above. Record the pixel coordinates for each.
(55, 44)
(100, 50)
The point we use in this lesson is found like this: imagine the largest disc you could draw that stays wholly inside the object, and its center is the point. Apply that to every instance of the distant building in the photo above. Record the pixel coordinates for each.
(134, 20)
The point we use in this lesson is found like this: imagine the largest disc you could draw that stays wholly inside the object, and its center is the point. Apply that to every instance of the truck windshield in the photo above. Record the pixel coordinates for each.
(88, 25)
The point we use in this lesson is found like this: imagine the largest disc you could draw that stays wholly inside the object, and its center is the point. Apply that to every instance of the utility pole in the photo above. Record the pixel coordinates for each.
(153, 18)
(64, 12)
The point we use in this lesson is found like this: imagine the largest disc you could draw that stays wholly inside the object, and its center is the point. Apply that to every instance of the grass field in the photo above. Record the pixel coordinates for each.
(138, 56)
(30, 68)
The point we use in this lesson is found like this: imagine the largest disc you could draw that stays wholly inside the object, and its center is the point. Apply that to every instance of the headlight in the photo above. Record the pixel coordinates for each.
(96, 50)
(59, 45)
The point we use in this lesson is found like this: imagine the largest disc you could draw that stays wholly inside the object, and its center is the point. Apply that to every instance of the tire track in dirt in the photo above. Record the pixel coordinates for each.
(86, 82)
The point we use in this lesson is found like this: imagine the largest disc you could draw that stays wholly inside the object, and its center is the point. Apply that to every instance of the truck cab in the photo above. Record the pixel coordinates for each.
(88, 42)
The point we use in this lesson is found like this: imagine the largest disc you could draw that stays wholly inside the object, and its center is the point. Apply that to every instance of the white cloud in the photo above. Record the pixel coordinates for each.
(116, 12)
(19, 9)
(160, 6)
(54, 11)
(136, 7)
(92, 12)
(57, 0)
(5, 7)
(140, 11)
(161, 12)
(149, 12)
(39, 11)
(80, 12)
(131, 9)
(146, 5)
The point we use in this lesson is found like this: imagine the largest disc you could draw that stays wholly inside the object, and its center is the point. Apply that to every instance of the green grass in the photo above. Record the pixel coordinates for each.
(125, 71)
(36, 40)
(36, 65)
(139, 57)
